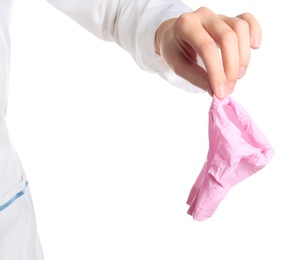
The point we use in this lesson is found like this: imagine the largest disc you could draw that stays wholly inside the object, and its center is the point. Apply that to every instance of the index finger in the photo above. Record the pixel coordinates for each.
(205, 46)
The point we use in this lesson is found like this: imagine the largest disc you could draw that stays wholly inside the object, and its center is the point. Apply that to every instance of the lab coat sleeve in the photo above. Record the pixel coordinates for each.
(131, 24)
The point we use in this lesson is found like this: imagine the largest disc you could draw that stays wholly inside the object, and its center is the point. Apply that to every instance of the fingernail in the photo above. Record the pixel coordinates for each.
(222, 91)
(256, 42)
(242, 71)
(231, 86)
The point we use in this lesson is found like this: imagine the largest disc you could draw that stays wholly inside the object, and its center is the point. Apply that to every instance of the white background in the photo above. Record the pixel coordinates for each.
(111, 152)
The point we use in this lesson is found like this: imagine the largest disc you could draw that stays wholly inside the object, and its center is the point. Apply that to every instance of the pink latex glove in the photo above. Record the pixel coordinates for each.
(237, 149)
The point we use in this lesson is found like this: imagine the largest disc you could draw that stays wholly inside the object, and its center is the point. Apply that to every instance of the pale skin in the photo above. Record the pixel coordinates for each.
(201, 32)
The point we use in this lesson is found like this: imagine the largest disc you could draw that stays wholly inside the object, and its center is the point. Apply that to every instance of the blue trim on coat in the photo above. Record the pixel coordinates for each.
(14, 198)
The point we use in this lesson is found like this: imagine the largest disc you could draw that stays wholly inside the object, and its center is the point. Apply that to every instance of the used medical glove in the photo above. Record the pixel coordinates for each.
(237, 150)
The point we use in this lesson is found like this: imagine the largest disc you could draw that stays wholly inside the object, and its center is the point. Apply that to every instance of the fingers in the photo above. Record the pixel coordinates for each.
(223, 43)
(235, 37)
(192, 31)
(254, 29)
(222, 66)
(241, 29)
(249, 35)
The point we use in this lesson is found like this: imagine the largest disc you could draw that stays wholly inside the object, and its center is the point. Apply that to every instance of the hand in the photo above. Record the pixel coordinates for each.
(223, 43)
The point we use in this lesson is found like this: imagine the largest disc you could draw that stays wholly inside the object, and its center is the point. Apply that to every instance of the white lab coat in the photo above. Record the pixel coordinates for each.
(129, 23)
(18, 232)
(132, 25)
